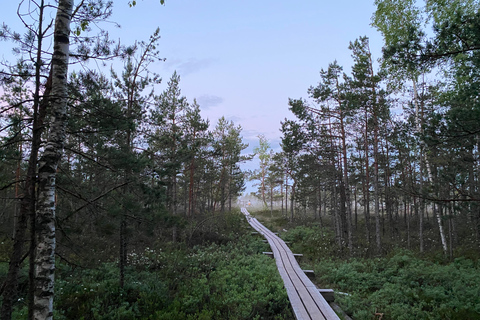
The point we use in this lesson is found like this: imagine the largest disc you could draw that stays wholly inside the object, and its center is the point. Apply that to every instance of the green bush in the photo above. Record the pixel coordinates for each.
(96, 294)
(405, 287)
(230, 281)
(233, 281)
(313, 242)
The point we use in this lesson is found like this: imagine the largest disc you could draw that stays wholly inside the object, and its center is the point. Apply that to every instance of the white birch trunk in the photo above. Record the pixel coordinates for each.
(427, 163)
(45, 249)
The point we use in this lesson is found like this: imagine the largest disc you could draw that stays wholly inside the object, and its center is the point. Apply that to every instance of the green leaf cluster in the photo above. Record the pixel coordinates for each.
(405, 287)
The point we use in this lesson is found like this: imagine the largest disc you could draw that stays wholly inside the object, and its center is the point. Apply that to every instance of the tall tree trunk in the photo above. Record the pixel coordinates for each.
(190, 188)
(376, 171)
(286, 195)
(427, 163)
(185, 194)
(174, 190)
(27, 204)
(271, 200)
(377, 192)
(230, 192)
(388, 196)
(45, 247)
(320, 202)
(123, 249)
(348, 199)
(263, 187)
(422, 210)
(356, 207)
(407, 220)
(281, 192)
(337, 219)
(17, 187)
(31, 272)
(292, 201)
(366, 186)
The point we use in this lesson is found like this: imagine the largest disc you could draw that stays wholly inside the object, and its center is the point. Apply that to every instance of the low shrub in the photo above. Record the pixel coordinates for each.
(217, 272)
(404, 287)
(230, 281)
(313, 242)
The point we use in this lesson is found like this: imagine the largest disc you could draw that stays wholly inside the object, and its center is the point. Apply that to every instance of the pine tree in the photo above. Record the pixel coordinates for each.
(168, 140)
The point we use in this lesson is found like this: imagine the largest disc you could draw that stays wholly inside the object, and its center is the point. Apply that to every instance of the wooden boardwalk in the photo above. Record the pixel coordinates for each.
(306, 300)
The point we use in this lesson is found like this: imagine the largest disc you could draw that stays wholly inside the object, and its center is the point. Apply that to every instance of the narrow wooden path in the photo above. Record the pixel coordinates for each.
(306, 300)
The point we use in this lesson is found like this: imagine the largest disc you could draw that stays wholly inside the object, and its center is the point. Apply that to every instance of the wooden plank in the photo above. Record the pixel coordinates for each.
(306, 300)
(270, 254)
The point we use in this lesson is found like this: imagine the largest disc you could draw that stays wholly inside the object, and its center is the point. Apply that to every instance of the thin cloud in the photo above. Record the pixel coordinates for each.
(236, 120)
(208, 101)
(250, 135)
(186, 67)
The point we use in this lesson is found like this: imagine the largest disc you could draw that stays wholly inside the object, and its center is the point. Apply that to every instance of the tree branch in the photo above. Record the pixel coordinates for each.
(89, 158)
(89, 202)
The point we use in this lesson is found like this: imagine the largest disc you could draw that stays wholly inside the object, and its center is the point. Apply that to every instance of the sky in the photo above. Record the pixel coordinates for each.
(243, 59)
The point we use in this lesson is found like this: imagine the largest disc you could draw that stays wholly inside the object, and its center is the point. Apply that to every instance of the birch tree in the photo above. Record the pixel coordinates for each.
(47, 169)
(36, 18)
(262, 173)
(409, 54)
(27, 206)
(401, 26)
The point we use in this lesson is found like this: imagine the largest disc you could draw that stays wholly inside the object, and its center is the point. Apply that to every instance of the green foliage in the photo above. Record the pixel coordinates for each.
(314, 242)
(5, 248)
(263, 174)
(405, 287)
(401, 285)
(236, 286)
(223, 276)
(96, 294)
(231, 280)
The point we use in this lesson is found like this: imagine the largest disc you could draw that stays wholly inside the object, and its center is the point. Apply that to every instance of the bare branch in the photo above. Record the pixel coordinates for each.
(89, 158)
(11, 184)
(89, 202)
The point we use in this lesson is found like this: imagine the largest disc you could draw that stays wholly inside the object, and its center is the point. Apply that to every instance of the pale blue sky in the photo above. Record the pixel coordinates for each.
(244, 59)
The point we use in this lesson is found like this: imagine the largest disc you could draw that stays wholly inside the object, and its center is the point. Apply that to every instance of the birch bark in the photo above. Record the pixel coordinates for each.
(425, 159)
(27, 206)
(45, 249)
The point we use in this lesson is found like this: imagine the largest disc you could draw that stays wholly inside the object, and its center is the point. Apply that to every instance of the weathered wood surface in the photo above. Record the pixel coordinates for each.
(305, 298)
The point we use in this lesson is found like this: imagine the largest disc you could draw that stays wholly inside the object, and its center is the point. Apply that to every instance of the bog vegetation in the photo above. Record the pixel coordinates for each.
(221, 274)
(401, 284)
(125, 194)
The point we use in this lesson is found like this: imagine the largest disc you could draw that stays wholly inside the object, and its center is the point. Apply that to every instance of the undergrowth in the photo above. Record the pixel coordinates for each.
(399, 286)
(224, 279)
(404, 287)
